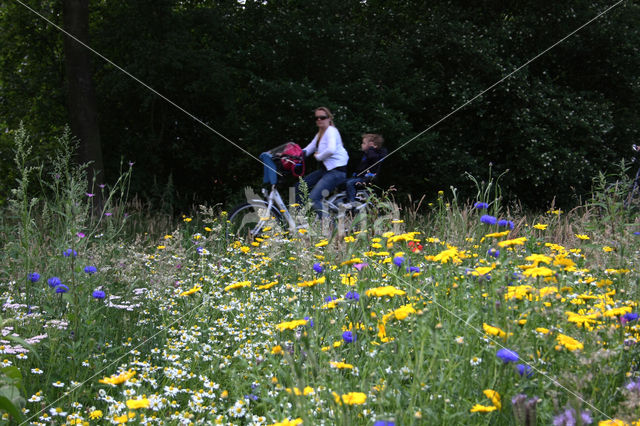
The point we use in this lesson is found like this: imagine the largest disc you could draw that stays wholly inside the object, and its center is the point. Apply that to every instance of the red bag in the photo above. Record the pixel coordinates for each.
(291, 158)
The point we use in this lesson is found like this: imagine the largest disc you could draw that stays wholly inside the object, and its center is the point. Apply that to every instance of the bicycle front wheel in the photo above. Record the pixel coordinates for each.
(249, 220)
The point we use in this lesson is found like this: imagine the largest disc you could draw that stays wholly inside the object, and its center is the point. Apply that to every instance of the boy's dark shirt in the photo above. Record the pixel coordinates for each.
(370, 157)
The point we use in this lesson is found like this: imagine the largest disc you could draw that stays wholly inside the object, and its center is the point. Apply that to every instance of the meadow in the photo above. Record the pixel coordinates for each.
(454, 313)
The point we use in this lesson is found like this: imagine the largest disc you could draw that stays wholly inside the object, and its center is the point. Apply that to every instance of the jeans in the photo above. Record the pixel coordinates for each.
(270, 175)
(351, 187)
(322, 182)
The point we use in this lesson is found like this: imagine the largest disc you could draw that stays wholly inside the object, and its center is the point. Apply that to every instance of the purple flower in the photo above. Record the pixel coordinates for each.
(412, 269)
(90, 270)
(524, 370)
(349, 336)
(383, 423)
(505, 223)
(98, 294)
(398, 260)
(108, 214)
(568, 418)
(636, 233)
(80, 235)
(309, 321)
(329, 299)
(54, 281)
(88, 194)
(489, 220)
(507, 355)
(62, 288)
(634, 385)
(480, 205)
(360, 266)
(493, 252)
(352, 295)
(318, 268)
(70, 253)
(34, 277)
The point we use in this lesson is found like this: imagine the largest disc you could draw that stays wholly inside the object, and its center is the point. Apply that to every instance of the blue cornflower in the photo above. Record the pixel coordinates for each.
(349, 336)
(505, 223)
(493, 252)
(62, 288)
(398, 260)
(318, 268)
(352, 295)
(481, 206)
(383, 423)
(524, 370)
(70, 253)
(98, 294)
(489, 220)
(412, 269)
(251, 397)
(90, 270)
(507, 355)
(34, 277)
(309, 321)
(329, 299)
(630, 316)
(54, 281)
(636, 233)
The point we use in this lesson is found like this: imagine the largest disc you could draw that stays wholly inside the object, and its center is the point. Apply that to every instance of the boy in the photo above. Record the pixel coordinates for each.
(373, 153)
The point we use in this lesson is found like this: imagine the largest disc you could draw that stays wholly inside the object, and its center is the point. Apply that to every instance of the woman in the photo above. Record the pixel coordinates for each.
(327, 148)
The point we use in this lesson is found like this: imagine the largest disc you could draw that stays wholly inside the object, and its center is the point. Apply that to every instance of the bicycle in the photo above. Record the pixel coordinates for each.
(259, 214)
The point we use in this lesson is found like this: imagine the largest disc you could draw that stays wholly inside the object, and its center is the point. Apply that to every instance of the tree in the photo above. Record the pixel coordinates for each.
(81, 98)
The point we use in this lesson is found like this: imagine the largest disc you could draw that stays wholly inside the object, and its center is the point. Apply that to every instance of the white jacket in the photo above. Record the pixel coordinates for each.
(330, 149)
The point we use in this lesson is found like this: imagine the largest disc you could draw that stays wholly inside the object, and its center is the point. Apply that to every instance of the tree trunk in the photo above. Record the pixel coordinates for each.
(81, 98)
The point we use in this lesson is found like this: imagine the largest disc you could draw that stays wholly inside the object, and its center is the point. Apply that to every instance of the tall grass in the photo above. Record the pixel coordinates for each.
(413, 321)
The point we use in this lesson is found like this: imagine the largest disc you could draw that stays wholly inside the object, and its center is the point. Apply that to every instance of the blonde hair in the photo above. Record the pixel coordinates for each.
(375, 138)
(326, 111)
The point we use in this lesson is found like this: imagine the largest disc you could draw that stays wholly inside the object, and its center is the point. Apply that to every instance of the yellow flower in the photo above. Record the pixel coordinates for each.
(400, 313)
(187, 219)
(354, 398)
(118, 379)
(540, 226)
(191, 290)
(322, 243)
(569, 342)
(451, 254)
(348, 279)
(341, 365)
(291, 325)
(482, 408)
(537, 272)
(95, 415)
(287, 422)
(514, 242)
(494, 331)
(537, 258)
(582, 237)
(311, 283)
(388, 291)
(607, 249)
(612, 422)
(267, 286)
(497, 234)
(134, 404)
(238, 285)
(351, 261)
(277, 350)
(161, 247)
(494, 397)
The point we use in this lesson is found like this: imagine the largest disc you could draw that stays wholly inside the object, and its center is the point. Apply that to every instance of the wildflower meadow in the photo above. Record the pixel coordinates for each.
(460, 312)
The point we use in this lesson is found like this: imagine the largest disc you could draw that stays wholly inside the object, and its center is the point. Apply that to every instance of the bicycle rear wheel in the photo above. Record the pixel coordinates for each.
(249, 220)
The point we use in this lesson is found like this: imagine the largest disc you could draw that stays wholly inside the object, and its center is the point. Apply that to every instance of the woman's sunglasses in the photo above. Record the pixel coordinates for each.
(321, 117)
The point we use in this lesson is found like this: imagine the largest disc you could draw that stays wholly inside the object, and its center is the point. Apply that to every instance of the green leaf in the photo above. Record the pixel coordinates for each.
(9, 407)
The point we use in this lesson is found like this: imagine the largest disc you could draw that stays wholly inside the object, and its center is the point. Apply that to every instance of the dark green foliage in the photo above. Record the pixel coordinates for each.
(254, 72)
